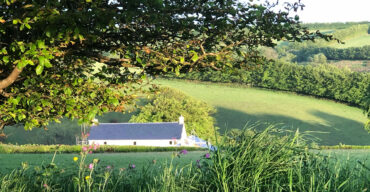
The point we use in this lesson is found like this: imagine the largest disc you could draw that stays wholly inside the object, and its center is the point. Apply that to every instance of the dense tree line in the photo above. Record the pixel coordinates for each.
(322, 81)
(352, 53)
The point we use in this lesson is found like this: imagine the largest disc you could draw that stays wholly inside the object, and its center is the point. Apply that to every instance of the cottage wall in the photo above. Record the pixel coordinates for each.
(158, 143)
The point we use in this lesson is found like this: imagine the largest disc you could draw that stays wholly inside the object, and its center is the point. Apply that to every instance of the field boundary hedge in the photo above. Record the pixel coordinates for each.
(351, 53)
(36, 148)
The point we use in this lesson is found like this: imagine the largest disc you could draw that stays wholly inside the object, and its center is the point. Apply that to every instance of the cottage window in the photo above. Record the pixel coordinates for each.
(170, 142)
(134, 142)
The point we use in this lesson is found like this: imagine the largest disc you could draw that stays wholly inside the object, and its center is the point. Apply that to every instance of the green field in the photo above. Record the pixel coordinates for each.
(357, 41)
(325, 121)
(8, 162)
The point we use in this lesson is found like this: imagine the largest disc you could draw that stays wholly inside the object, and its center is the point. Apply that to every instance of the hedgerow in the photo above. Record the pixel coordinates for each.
(7, 148)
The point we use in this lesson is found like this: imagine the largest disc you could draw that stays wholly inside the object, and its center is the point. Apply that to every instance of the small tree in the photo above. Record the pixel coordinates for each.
(169, 104)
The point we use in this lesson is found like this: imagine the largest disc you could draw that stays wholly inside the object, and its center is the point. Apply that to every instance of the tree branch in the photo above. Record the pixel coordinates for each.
(10, 79)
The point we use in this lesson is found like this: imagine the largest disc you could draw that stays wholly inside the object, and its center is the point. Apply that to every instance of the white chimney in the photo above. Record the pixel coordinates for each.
(181, 120)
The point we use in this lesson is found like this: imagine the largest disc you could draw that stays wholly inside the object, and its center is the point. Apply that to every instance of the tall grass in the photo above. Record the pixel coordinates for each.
(244, 161)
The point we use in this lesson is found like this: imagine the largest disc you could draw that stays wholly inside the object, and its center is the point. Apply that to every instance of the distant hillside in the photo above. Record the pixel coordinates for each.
(352, 35)
(354, 53)
(332, 26)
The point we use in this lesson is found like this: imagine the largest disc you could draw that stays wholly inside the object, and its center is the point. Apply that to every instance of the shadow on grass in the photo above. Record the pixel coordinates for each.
(335, 130)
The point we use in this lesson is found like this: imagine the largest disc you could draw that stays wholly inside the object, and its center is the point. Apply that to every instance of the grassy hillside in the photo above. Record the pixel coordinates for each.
(326, 121)
(356, 41)
(353, 34)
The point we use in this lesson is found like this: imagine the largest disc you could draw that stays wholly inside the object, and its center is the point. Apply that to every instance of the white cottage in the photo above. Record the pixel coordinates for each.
(162, 134)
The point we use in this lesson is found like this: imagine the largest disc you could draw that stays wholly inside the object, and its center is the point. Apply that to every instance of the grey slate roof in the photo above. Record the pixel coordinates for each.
(136, 131)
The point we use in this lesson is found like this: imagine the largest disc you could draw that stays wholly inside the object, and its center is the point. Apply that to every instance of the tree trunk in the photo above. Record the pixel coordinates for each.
(9, 80)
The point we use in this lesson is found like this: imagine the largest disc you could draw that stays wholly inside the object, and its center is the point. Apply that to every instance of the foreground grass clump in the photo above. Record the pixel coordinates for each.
(243, 161)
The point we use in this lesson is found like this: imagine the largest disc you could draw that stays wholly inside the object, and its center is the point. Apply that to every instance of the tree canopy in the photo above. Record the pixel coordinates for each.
(168, 104)
(80, 58)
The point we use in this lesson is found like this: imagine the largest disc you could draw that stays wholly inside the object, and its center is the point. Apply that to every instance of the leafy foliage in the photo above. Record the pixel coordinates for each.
(49, 49)
(169, 104)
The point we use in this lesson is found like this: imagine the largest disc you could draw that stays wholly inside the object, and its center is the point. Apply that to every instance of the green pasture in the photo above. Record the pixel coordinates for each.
(357, 41)
(324, 121)
(9, 162)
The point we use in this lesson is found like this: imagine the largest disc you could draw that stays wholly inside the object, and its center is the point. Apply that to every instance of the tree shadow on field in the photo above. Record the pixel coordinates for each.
(335, 130)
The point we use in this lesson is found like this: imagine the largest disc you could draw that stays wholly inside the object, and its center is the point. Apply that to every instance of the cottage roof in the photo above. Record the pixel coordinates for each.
(136, 131)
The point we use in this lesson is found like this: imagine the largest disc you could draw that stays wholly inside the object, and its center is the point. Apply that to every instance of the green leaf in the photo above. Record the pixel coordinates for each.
(4, 51)
(182, 59)
(105, 109)
(113, 101)
(139, 60)
(218, 57)
(38, 108)
(47, 63)
(68, 91)
(15, 101)
(195, 57)
(93, 95)
(6, 59)
(21, 117)
(13, 115)
(39, 69)
(40, 44)
(42, 60)
(27, 25)
(30, 62)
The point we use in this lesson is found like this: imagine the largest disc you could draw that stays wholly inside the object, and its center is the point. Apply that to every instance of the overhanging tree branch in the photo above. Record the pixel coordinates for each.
(9, 80)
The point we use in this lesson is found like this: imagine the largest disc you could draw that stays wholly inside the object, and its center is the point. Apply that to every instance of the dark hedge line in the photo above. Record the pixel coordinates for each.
(352, 53)
(5, 148)
(322, 81)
